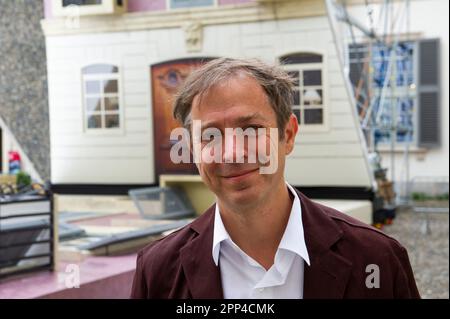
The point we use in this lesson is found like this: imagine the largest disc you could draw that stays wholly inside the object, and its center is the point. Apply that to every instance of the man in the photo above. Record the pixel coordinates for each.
(263, 238)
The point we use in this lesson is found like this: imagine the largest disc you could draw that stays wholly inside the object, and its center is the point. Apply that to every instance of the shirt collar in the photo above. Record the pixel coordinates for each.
(220, 234)
(293, 238)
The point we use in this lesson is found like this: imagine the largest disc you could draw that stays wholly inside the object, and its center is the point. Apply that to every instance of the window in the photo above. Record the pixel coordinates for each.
(402, 105)
(75, 8)
(178, 4)
(403, 96)
(101, 97)
(80, 2)
(309, 103)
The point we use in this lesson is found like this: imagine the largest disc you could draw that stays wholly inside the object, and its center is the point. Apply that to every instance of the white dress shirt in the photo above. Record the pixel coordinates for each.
(243, 277)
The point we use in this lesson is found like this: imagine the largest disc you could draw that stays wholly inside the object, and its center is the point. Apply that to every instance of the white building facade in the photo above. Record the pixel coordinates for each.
(102, 74)
(113, 141)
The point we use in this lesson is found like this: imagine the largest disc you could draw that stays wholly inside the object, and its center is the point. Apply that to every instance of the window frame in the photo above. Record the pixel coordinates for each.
(103, 76)
(403, 92)
(323, 67)
(107, 7)
(215, 4)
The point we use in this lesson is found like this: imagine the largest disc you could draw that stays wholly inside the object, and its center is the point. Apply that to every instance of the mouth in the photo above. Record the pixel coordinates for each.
(240, 175)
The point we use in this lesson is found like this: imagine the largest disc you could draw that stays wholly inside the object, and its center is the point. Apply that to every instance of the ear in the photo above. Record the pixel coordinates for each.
(290, 133)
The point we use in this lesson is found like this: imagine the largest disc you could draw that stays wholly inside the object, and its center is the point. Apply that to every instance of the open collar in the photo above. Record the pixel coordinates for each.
(325, 277)
(293, 236)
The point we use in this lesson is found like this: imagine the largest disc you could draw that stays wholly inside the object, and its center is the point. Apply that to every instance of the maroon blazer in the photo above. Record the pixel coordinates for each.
(339, 247)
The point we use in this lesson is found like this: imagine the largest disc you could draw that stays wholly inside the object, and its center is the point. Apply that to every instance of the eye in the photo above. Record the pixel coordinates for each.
(211, 135)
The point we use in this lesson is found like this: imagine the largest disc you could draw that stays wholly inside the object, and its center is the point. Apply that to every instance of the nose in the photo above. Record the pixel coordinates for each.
(234, 150)
(229, 147)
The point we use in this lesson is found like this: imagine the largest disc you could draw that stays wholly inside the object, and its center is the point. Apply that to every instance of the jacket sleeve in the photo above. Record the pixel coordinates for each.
(405, 284)
(139, 287)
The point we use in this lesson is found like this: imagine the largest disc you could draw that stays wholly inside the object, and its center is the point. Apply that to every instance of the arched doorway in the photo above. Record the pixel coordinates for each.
(166, 77)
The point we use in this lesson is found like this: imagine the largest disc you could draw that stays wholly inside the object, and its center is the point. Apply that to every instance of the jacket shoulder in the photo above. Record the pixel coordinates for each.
(157, 264)
(166, 248)
(364, 245)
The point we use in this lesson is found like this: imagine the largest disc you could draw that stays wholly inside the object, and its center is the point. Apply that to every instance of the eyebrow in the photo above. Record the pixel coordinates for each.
(239, 120)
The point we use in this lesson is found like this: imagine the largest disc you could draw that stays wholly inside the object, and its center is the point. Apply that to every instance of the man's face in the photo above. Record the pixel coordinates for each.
(240, 102)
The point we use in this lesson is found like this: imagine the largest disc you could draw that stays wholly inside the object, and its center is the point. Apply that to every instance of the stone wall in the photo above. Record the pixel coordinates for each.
(23, 79)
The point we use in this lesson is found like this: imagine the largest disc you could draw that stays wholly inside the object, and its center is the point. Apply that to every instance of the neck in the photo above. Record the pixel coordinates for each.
(258, 229)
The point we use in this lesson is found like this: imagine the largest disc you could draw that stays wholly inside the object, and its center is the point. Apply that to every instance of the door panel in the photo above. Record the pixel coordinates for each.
(166, 78)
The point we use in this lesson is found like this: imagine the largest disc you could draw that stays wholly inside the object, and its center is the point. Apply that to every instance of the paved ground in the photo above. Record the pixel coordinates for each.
(428, 252)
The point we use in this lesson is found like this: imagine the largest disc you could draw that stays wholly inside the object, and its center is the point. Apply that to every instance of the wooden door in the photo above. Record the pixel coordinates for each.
(166, 78)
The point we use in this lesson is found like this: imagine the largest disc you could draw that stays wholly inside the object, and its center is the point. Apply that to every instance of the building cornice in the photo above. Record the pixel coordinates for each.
(253, 12)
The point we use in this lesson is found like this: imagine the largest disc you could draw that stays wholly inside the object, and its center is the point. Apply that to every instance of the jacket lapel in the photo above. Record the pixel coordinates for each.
(202, 275)
(327, 277)
(328, 274)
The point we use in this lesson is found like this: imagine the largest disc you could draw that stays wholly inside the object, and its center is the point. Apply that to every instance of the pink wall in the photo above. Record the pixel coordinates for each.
(48, 9)
(223, 2)
(146, 5)
(142, 5)
(153, 5)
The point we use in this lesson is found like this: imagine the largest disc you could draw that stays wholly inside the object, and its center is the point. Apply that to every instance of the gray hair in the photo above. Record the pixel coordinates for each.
(277, 84)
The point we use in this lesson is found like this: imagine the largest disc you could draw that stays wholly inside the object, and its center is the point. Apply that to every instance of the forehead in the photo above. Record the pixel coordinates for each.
(237, 96)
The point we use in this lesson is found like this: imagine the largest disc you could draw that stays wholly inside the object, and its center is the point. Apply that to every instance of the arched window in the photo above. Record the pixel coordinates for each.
(101, 97)
(307, 70)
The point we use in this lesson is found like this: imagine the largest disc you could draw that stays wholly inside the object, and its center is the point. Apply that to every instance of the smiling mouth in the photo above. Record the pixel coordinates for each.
(240, 174)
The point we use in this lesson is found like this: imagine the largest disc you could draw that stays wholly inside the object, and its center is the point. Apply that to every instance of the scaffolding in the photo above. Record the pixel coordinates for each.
(378, 63)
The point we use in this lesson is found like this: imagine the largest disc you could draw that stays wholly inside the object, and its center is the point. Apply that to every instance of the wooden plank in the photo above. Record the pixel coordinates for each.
(327, 150)
(97, 151)
(341, 136)
(327, 172)
(342, 121)
(83, 140)
(103, 170)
